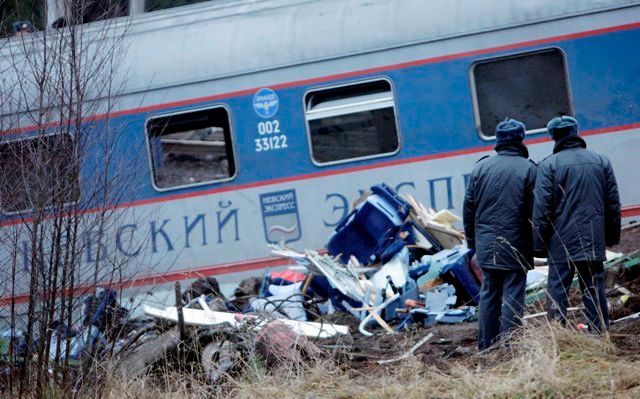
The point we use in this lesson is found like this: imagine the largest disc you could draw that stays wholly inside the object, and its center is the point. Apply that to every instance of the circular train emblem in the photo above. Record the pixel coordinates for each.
(265, 103)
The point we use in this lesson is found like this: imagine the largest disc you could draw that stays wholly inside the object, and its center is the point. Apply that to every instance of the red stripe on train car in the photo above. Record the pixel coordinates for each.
(630, 211)
(179, 275)
(213, 270)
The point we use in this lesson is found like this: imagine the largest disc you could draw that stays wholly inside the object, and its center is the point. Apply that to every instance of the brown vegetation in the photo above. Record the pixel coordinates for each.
(545, 361)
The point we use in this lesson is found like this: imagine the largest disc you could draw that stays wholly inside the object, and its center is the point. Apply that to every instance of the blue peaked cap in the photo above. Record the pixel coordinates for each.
(562, 126)
(510, 131)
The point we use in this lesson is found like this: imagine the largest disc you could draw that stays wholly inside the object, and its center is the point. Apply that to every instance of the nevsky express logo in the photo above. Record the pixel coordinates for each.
(280, 216)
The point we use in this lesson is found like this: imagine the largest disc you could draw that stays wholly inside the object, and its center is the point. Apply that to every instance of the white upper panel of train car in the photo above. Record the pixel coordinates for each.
(225, 38)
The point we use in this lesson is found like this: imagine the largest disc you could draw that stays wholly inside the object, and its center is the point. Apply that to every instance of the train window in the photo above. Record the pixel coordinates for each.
(18, 17)
(531, 87)
(352, 122)
(38, 172)
(191, 148)
(87, 11)
(98, 10)
(155, 5)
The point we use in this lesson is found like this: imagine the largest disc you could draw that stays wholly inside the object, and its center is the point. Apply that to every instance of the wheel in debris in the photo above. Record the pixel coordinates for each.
(218, 358)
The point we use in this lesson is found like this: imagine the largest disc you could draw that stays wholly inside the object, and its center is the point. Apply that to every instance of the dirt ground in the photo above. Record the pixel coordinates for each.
(629, 240)
(543, 360)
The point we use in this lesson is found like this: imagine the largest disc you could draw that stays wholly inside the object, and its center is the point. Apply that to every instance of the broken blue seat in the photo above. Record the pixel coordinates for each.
(409, 291)
(455, 268)
(411, 236)
(371, 227)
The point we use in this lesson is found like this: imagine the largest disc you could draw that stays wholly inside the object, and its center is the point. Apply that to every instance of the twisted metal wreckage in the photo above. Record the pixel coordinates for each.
(392, 264)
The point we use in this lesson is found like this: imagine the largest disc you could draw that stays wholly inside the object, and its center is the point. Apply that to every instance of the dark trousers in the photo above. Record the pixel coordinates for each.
(591, 278)
(501, 304)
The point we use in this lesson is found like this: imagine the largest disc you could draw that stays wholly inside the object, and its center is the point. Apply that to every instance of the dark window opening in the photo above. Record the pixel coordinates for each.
(352, 122)
(21, 17)
(155, 5)
(191, 148)
(98, 10)
(532, 88)
(86, 11)
(38, 173)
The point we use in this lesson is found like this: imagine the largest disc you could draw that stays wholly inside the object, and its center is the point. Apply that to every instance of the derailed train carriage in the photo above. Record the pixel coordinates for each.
(259, 122)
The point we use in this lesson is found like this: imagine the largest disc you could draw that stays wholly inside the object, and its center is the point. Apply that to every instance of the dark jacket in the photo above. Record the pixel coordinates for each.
(577, 207)
(497, 209)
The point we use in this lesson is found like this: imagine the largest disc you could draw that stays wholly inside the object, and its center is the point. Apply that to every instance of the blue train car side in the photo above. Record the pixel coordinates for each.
(318, 113)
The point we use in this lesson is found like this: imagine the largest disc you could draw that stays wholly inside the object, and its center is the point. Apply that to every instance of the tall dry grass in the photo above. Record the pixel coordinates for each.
(544, 361)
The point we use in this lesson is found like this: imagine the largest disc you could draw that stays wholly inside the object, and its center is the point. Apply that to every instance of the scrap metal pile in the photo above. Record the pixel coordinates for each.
(392, 261)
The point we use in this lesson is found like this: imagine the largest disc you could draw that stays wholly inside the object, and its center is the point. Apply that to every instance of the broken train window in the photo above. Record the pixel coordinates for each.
(154, 5)
(38, 172)
(530, 87)
(351, 122)
(191, 148)
(85, 11)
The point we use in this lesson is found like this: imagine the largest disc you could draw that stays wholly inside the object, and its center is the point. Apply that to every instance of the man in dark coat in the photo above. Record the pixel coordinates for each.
(497, 224)
(576, 215)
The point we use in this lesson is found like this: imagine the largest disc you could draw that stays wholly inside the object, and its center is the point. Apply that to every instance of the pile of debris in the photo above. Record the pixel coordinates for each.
(102, 321)
(391, 264)
(391, 261)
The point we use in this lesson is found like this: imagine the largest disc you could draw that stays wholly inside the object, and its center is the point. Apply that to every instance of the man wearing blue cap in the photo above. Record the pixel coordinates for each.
(576, 215)
(497, 224)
